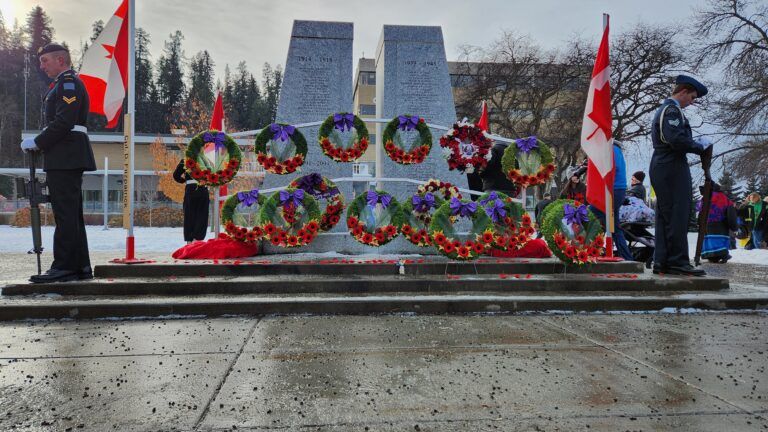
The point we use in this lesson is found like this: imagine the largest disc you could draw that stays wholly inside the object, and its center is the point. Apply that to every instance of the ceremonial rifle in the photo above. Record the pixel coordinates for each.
(706, 200)
(34, 191)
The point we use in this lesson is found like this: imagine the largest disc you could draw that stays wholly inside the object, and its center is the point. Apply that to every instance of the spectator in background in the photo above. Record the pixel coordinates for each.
(575, 189)
(540, 206)
(637, 189)
(720, 222)
(755, 215)
(494, 178)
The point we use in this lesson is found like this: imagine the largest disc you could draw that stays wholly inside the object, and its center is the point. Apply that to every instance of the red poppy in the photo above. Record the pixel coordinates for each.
(293, 240)
(380, 237)
(357, 231)
(334, 219)
(351, 221)
(583, 256)
(570, 251)
(406, 229)
(488, 237)
(367, 238)
(439, 238)
(313, 226)
(390, 230)
(449, 248)
(275, 240)
(307, 238)
(478, 248)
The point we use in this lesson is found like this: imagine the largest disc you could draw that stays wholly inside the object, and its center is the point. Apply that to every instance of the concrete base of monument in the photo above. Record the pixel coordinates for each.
(342, 242)
(351, 285)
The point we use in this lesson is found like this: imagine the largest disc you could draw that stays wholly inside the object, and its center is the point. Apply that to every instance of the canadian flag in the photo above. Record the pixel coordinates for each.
(217, 123)
(596, 135)
(105, 67)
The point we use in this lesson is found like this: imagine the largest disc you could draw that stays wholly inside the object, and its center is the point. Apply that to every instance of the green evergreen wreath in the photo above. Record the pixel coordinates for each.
(384, 228)
(444, 236)
(513, 227)
(323, 188)
(528, 162)
(233, 225)
(281, 164)
(209, 175)
(573, 246)
(393, 143)
(417, 215)
(290, 218)
(332, 143)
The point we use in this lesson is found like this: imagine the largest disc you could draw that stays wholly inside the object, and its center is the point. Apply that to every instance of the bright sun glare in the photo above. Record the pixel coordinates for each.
(6, 7)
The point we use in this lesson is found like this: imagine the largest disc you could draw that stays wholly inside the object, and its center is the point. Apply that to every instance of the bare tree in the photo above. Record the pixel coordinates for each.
(732, 37)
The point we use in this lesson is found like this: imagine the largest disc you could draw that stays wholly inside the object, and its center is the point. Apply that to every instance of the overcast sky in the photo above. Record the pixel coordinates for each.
(258, 31)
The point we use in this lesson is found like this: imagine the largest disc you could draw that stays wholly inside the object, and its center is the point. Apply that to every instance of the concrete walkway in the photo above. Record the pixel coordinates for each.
(691, 372)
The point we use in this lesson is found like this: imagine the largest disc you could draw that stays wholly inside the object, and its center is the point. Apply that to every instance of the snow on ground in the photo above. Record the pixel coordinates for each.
(19, 240)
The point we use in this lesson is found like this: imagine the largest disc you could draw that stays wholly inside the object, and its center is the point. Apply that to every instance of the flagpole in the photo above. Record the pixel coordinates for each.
(129, 127)
(609, 222)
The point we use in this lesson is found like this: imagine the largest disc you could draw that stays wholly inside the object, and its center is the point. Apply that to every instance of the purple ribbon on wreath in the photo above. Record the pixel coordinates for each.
(216, 138)
(575, 215)
(374, 197)
(310, 182)
(423, 204)
(407, 123)
(343, 121)
(527, 144)
(294, 198)
(248, 198)
(461, 208)
(494, 207)
(281, 132)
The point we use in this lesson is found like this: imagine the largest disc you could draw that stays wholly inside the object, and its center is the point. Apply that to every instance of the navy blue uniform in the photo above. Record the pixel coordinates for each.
(66, 154)
(671, 179)
(196, 202)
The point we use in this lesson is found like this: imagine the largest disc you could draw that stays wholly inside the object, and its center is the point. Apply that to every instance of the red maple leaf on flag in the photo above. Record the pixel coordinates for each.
(110, 50)
(601, 111)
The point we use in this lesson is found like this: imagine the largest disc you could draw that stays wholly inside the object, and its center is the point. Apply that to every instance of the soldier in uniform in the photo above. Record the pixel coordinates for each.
(67, 154)
(196, 202)
(671, 177)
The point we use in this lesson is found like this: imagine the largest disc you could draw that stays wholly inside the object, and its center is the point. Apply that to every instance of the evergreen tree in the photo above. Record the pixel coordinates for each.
(38, 34)
(170, 78)
(148, 113)
(245, 96)
(753, 185)
(728, 185)
(201, 79)
(272, 80)
(763, 189)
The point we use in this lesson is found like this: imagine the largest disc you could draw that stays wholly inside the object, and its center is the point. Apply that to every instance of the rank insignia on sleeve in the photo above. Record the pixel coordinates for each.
(675, 122)
(69, 100)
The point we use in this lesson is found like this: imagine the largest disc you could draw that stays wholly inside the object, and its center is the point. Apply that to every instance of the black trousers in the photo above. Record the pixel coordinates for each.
(672, 183)
(196, 204)
(70, 244)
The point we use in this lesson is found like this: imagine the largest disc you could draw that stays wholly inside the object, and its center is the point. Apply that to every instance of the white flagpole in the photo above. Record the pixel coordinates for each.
(131, 112)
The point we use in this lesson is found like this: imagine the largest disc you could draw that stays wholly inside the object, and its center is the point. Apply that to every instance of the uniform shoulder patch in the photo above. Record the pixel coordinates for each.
(68, 86)
(69, 100)
(675, 122)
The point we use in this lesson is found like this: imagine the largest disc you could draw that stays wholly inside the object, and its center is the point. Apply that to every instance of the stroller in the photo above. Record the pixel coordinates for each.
(635, 219)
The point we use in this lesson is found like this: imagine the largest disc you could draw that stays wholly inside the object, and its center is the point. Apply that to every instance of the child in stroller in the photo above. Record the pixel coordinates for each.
(635, 218)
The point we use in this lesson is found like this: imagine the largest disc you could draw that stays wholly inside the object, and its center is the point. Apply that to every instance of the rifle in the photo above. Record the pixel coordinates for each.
(34, 190)
(706, 201)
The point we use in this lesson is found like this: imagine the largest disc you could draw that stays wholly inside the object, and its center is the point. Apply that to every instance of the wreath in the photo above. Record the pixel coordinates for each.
(528, 163)
(572, 232)
(290, 218)
(322, 188)
(466, 148)
(444, 189)
(417, 215)
(374, 218)
(212, 173)
(393, 140)
(513, 227)
(240, 222)
(332, 137)
(275, 143)
(445, 238)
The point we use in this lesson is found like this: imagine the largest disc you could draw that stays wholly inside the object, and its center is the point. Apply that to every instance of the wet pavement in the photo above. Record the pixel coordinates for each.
(683, 372)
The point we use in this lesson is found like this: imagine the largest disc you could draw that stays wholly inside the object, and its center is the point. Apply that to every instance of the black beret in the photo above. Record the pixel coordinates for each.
(640, 176)
(701, 89)
(51, 47)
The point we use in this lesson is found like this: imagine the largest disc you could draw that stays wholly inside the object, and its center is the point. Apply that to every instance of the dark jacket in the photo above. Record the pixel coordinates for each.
(671, 135)
(494, 178)
(180, 174)
(759, 222)
(637, 191)
(540, 206)
(66, 105)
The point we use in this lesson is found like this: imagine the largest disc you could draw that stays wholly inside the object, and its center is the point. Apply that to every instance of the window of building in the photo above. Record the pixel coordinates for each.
(367, 109)
(368, 78)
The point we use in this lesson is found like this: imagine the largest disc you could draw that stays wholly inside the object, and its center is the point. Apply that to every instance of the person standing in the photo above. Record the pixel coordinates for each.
(671, 177)
(637, 189)
(755, 214)
(575, 189)
(720, 222)
(196, 203)
(493, 177)
(67, 153)
(538, 212)
(619, 191)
